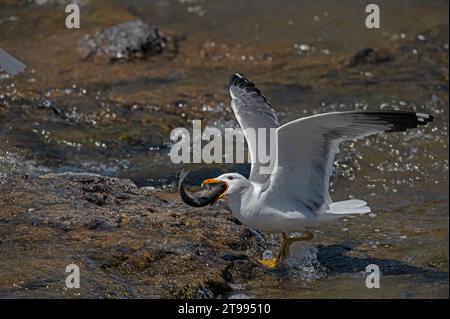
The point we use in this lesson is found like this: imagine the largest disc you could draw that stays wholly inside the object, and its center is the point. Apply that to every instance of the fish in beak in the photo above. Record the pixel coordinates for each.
(211, 191)
(218, 184)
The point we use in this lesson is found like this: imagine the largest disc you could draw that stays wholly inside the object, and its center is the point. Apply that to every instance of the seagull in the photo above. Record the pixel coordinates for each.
(9, 63)
(294, 195)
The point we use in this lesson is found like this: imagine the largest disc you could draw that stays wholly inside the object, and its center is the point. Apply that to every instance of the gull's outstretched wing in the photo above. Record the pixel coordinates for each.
(306, 149)
(252, 111)
(10, 64)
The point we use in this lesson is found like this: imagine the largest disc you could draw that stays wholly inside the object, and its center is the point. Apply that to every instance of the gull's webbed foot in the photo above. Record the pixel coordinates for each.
(284, 251)
(275, 262)
(269, 263)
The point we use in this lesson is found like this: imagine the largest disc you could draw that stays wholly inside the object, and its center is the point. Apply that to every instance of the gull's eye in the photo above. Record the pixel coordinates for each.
(230, 177)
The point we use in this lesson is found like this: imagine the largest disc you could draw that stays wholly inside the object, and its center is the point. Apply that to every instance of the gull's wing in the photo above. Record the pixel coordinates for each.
(306, 149)
(10, 64)
(252, 111)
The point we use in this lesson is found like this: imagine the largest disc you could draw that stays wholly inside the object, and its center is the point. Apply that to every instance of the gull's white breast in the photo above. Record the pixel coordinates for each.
(253, 209)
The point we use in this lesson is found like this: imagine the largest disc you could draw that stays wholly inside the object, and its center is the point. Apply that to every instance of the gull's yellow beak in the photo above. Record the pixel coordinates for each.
(210, 181)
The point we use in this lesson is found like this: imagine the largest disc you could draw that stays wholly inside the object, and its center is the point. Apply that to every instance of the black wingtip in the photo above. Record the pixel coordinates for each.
(400, 120)
(240, 81)
(424, 118)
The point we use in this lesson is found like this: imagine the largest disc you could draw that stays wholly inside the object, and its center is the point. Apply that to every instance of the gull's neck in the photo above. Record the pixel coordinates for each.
(240, 202)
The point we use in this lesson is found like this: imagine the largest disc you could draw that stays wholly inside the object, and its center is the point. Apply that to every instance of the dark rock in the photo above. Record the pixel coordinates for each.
(126, 41)
(368, 56)
(102, 224)
(229, 257)
(96, 199)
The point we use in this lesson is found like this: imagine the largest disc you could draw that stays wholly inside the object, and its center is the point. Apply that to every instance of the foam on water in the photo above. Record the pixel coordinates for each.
(303, 263)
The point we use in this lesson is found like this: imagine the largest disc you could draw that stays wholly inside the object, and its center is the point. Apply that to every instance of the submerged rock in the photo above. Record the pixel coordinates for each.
(126, 41)
(368, 56)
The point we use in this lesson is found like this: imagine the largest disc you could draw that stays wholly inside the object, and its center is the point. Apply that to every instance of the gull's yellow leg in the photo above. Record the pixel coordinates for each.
(284, 251)
(275, 262)
(308, 236)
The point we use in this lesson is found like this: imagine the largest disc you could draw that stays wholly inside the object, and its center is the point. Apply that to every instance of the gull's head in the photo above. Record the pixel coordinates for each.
(235, 184)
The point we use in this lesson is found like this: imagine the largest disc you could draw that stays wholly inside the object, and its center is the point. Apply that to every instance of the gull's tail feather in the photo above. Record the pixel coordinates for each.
(349, 207)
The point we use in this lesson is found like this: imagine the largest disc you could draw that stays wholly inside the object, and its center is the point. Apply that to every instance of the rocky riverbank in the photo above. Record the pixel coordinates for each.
(127, 241)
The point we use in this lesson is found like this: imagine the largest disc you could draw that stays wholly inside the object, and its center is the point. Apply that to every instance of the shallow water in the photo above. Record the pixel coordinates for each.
(67, 114)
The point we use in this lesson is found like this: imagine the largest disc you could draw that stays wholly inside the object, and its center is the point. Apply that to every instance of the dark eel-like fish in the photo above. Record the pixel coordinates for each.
(208, 194)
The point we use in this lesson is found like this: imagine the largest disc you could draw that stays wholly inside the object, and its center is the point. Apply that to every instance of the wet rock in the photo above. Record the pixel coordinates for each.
(368, 56)
(96, 199)
(127, 41)
(110, 228)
